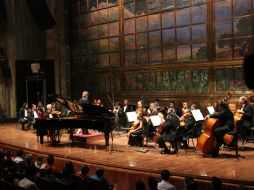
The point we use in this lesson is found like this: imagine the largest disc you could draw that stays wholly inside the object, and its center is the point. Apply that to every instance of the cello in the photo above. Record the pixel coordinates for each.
(207, 141)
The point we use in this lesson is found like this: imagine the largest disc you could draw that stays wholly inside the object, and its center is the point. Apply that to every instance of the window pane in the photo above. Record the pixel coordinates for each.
(103, 16)
(168, 19)
(104, 60)
(223, 10)
(114, 44)
(142, 40)
(198, 14)
(129, 42)
(183, 53)
(154, 39)
(129, 26)
(224, 49)
(103, 30)
(113, 29)
(103, 45)
(169, 55)
(141, 24)
(223, 30)
(183, 34)
(129, 10)
(153, 6)
(113, 14)
(155, 55)
(244, 26)
(168, 37)
(199, 33)
(167, 5)
(114, 59)
(183, 17)
(199, 52)
(142, 56)
(241, 7)
(154, 21)
(130, 57)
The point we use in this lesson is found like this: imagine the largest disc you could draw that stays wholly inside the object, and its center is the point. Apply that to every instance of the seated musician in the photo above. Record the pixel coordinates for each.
(175, 109)
(23, 113)
(245, 122)
(189, 123)
(169, 133)
(119, 115)
(185, 108)
(227, 124)
(136, 132)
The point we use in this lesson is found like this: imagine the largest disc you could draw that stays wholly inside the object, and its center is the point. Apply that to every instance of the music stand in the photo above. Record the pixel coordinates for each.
(210, 109)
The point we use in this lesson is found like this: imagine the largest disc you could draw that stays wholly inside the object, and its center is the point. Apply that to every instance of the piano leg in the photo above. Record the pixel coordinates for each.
(106, 136)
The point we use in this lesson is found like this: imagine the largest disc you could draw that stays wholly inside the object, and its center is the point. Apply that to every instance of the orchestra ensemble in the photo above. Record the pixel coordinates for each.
(176, 126)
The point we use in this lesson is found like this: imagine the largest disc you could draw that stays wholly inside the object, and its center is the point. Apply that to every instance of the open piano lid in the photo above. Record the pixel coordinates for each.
(85, 109)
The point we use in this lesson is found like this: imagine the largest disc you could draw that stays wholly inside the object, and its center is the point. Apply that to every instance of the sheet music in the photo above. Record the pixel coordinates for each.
(132, 116)
(210, 109)
(156, 120)
(198, 116)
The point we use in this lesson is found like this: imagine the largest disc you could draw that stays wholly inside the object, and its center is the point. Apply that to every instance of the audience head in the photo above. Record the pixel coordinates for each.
(20, 153)
(216, 183)
(50, 159)
(165, 175)
(140, 185)
(152, 182)
(84, 170)
(68, 167)
(28, 159)
(99, 172)
(190, 183)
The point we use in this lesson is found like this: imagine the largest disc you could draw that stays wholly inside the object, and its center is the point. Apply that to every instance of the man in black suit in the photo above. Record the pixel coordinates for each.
(246, 122)
(84, 100)
(126, 108)
(226, 125)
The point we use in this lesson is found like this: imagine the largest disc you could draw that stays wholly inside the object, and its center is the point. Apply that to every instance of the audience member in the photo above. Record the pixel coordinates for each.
(84, 172)
(140, 185)
(100, 177)
(50, 163)
(165, 184)
(19, 156)
(27, 182)
(216, 183)
(152, 182)
(190, 184)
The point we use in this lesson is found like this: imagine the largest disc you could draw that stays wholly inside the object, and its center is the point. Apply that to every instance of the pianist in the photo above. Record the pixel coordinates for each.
(84, 100)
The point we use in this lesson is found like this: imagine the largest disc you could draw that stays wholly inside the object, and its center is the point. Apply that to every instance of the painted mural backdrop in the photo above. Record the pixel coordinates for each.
(149, 32)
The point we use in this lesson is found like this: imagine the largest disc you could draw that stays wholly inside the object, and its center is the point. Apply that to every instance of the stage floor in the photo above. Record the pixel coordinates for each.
(123, 156)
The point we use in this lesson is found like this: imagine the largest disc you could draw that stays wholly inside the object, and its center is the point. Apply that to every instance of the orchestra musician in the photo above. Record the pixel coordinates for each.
(119, 115)
(169, 133)
(135, 134)
(23, 113)
(246, 121)
(175, 110)
(226, 124)
(189, 122)
(185, 108)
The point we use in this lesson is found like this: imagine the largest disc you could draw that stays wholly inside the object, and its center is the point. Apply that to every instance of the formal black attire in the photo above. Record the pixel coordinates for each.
(83, 101)
(23, 113)
(226, 118)
(136, 138)
(124, 119)
(169, 133)
(246, 121)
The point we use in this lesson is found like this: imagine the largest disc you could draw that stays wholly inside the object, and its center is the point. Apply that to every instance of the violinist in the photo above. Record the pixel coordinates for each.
(226, 125)
(246, 121)
(175, 110)
(169, 133)
(119, 115)
(185, 108)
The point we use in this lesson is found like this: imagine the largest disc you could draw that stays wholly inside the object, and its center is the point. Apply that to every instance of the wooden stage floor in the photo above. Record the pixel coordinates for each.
(125, 157)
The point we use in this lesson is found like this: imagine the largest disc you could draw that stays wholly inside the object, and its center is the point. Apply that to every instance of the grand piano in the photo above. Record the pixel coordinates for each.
(83, 116)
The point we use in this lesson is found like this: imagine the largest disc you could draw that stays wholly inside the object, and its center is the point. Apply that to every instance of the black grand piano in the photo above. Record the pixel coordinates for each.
(84, 116)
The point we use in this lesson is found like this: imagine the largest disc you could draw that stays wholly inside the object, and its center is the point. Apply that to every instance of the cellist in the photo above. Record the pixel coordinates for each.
(245, 122)
(226, 118)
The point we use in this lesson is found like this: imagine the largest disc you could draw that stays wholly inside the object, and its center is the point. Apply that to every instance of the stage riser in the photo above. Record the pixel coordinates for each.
(123, 179)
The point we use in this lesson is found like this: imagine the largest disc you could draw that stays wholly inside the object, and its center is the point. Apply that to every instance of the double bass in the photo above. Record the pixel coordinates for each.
(207, 141)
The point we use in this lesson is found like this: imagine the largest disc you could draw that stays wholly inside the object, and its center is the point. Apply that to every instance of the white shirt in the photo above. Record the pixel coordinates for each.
(18, 159)
(124, 108)
(35, 114)
(164, 185)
